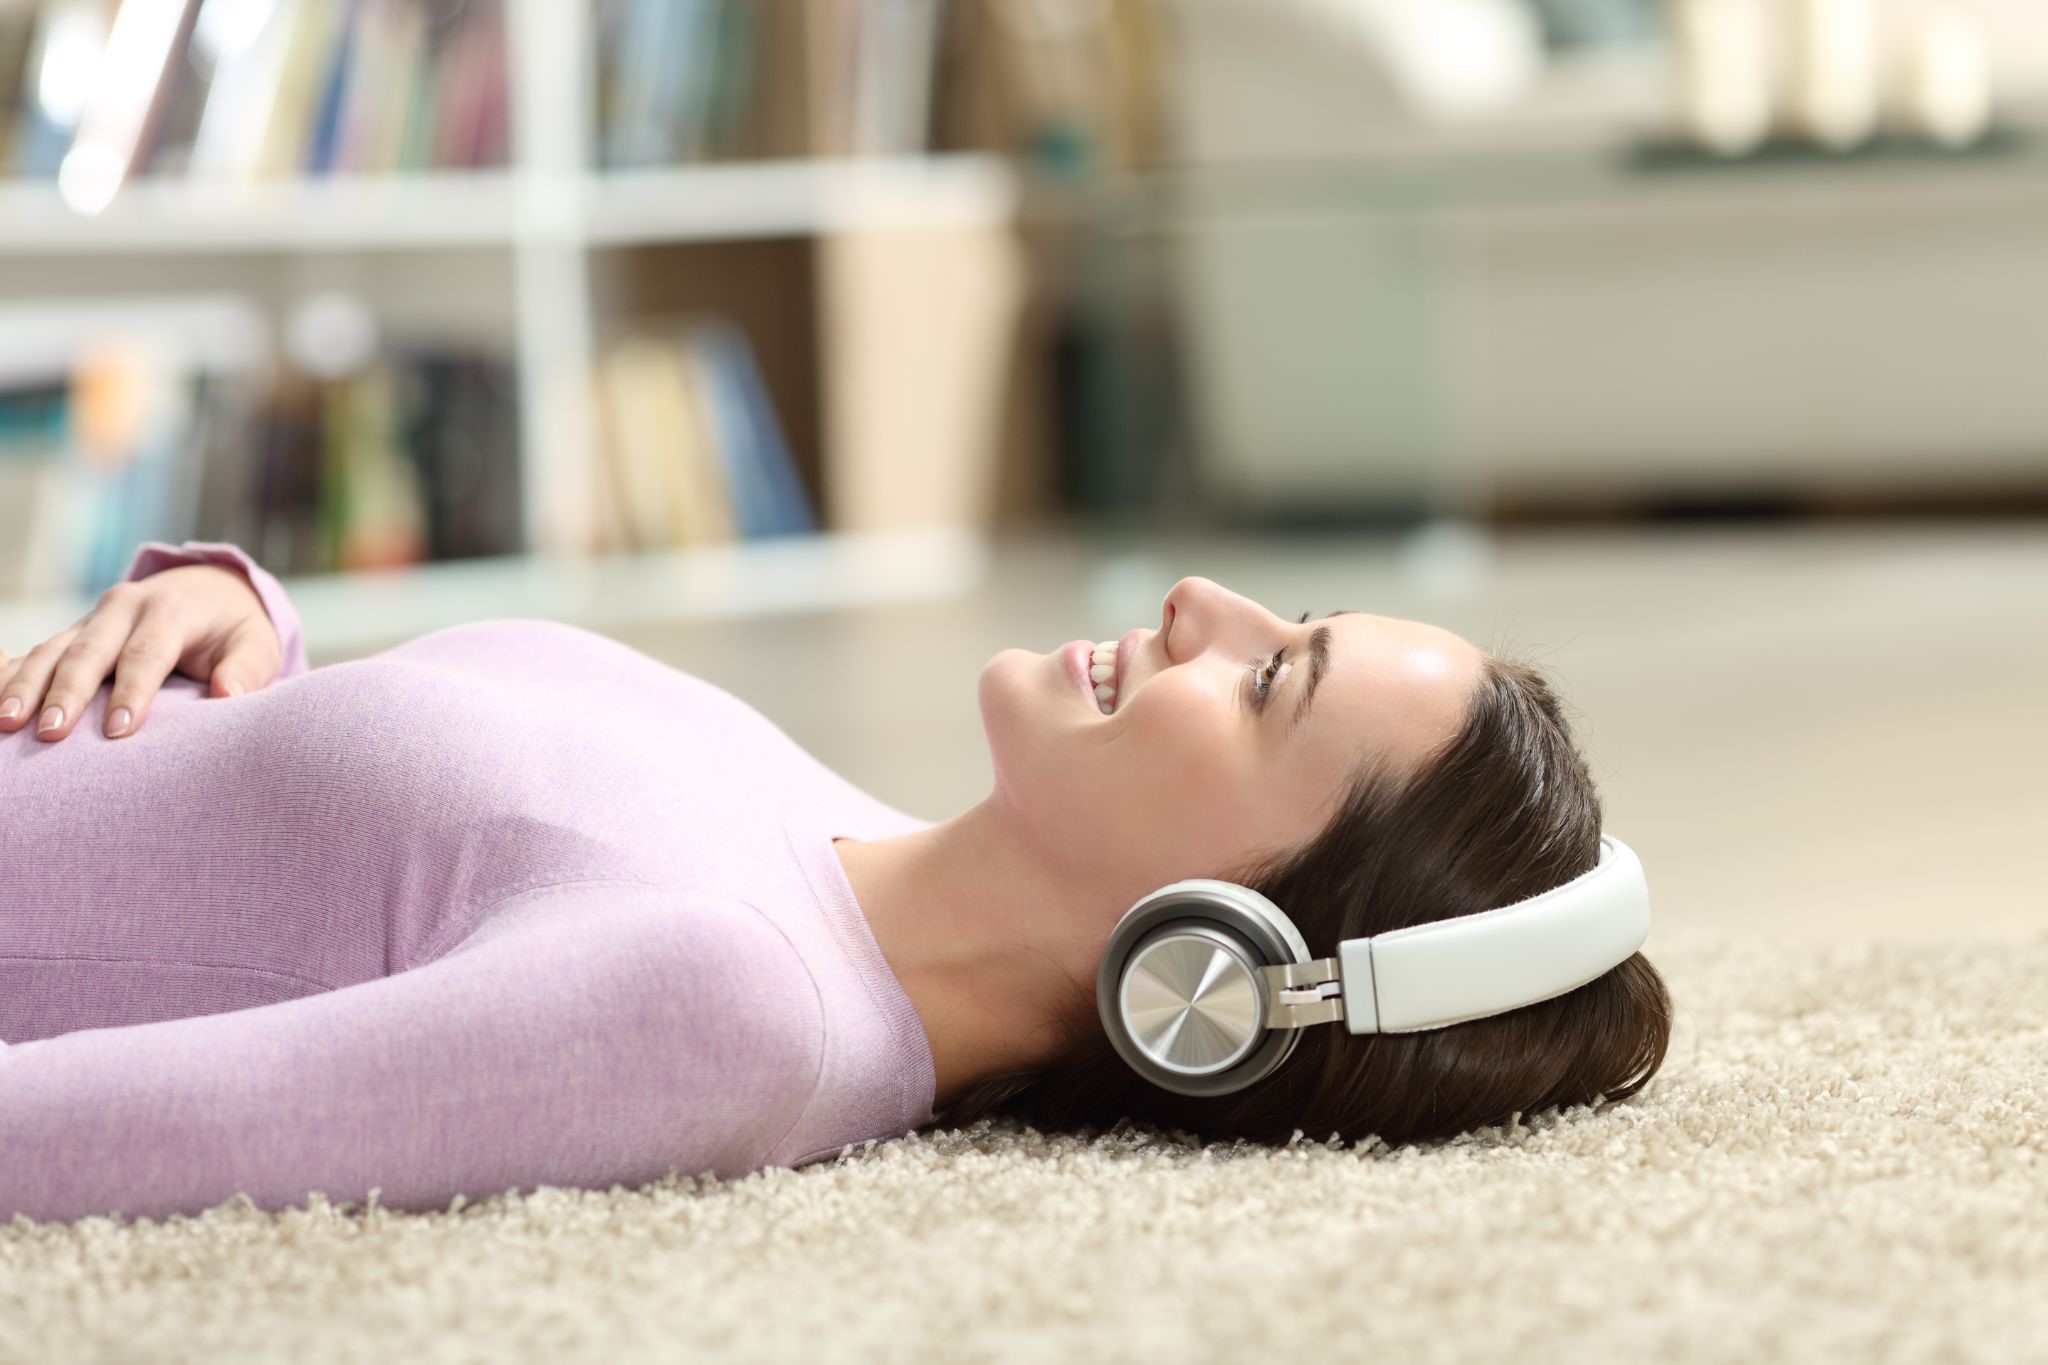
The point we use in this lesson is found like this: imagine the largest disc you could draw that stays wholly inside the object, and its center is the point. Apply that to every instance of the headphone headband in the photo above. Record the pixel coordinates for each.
(1446, 972)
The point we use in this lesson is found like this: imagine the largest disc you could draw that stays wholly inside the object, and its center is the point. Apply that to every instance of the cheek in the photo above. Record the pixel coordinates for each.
(1184, 758)
(1219, 793)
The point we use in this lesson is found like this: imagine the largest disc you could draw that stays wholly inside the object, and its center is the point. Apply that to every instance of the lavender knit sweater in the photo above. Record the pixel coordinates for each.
(510, 904)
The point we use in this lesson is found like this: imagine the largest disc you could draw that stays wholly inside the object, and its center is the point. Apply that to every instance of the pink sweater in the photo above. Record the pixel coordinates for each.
(510, 904)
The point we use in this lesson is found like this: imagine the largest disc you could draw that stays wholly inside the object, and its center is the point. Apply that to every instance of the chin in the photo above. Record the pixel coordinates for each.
(996, 693)
(999, 676)
(1019, 705)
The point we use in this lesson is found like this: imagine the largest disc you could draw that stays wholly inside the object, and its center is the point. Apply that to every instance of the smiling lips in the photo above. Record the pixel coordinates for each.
(1102, 672)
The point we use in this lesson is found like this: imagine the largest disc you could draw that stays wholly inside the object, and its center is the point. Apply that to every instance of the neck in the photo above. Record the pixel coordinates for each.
(986, 939)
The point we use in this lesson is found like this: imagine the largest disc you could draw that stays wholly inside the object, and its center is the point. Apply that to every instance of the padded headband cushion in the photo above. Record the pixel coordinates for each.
(1443, 973)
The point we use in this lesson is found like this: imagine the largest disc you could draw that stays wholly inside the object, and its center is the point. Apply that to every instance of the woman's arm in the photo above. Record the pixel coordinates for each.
(584, 1034)
(155, 555)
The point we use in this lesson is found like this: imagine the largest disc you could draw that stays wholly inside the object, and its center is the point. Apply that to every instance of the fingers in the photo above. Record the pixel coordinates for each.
(71, 676)
(140, 632)
(22, 694)
(248, 660)
(151, 652)
(56, 680)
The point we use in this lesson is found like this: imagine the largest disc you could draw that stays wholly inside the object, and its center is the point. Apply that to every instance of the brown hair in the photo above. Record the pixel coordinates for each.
(1503, 811)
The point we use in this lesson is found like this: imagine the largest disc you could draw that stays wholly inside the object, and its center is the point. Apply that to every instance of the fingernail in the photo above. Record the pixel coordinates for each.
(234, 689)
(10, 708)
(118, 722)
(52, 718)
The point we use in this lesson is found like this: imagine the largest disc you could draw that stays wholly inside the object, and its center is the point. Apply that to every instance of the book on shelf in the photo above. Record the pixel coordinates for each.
(689, 447)
(95, 92)
(33, 473)
(682, 81)
(1075, 92)
(234, 91)
(89, 458)
(766, 495)
(412, 457)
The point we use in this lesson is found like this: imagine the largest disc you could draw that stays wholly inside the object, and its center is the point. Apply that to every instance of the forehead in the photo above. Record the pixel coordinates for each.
(1397, 687)
(1415, 644)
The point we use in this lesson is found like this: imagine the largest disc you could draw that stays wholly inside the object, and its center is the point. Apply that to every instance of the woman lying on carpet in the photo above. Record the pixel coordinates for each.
(514, 904)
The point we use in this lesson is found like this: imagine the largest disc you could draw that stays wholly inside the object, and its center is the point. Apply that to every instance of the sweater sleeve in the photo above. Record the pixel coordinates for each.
(585, 1033)
(156, 555)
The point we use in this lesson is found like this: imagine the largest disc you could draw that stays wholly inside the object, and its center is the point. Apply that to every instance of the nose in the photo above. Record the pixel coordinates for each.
(1199, 612)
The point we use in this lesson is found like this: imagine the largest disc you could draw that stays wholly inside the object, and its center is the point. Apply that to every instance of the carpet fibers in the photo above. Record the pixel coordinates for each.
(1844, 1158)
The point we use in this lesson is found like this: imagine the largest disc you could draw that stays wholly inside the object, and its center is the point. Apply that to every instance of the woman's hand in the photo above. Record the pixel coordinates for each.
(204, 620)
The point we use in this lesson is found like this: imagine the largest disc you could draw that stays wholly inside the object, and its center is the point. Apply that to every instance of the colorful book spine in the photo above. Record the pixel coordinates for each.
(689, 447)
(94, 92)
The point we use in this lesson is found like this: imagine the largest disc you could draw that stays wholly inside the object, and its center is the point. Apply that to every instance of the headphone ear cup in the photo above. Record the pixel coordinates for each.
(1179, 989)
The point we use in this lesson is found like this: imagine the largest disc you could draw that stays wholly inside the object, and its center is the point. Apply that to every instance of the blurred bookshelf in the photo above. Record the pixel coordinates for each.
(861, 285)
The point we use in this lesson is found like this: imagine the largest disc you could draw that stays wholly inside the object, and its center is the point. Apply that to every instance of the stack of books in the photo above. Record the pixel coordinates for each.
(93, 92)
(691, 451)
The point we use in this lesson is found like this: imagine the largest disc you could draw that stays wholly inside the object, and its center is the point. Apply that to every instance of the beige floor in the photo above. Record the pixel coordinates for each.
(1828, 731)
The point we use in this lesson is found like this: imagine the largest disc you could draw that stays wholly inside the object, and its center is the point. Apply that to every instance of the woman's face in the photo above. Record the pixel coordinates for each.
(1192, 770)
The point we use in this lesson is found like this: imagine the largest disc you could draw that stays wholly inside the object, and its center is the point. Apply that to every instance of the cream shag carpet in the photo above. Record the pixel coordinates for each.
(1844, 1158)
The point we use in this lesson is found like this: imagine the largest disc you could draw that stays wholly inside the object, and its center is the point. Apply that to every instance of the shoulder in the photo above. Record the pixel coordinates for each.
(732, 944)
(712, 980)
(737, 1000)
(688, 1019)
(726, 947)
(714, 968)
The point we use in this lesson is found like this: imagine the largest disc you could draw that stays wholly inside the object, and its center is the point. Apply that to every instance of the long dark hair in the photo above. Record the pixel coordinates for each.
(1503, 811)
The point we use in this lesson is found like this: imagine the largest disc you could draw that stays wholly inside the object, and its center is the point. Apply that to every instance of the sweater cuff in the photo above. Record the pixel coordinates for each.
(156, 555)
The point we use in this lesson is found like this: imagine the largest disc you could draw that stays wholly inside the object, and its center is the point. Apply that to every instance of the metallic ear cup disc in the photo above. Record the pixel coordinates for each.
(1192, 1000)
(1179, 989)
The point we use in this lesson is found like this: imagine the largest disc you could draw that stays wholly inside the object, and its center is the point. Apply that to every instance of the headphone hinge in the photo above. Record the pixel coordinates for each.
(1304, 993)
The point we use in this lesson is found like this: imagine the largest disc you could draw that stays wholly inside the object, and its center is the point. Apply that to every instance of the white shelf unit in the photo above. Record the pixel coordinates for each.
(351, 614)
(541, 219)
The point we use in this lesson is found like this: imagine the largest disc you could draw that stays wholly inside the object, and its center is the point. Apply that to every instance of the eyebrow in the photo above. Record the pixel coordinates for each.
(1318, 664)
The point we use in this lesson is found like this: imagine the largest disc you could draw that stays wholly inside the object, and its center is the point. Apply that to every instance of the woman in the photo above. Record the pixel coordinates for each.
(513, 904)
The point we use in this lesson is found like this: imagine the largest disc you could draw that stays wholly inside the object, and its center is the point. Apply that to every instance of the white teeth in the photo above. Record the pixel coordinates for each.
(1102, 670)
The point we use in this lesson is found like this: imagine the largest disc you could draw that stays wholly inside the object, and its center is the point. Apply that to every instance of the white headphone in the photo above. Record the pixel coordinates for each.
(1205, 985)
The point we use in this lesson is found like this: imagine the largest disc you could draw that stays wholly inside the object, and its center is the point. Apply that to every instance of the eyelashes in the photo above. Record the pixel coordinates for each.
(1261, 684)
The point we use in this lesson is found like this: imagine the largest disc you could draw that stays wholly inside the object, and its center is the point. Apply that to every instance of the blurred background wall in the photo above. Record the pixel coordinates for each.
(375, 283)
(1697, 343)
(365, 284)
